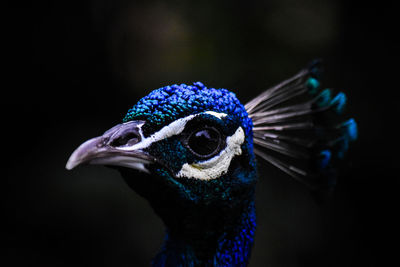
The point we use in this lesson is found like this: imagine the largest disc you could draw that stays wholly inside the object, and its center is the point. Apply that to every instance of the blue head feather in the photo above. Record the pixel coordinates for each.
(169, 103)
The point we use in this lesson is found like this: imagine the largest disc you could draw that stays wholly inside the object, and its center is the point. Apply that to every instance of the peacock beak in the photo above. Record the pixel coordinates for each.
(119, 146)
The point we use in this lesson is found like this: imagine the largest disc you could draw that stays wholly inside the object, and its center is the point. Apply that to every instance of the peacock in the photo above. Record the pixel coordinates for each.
(199, 147)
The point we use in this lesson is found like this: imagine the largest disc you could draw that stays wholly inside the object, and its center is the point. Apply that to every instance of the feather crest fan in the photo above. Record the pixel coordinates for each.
(299, 129)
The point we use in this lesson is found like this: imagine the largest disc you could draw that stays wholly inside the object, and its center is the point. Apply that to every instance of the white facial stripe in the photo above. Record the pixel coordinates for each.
(216, 114)
(218, 165)
(174, 128)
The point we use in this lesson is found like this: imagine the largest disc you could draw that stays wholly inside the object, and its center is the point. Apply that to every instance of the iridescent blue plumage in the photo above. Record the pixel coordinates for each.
(168, 103)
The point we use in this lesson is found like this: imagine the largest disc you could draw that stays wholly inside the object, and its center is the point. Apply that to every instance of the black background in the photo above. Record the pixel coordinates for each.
(72, 70)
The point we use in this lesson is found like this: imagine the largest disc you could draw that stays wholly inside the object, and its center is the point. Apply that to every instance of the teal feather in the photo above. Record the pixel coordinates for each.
(339, 101)
(324, 98)
(312, 85)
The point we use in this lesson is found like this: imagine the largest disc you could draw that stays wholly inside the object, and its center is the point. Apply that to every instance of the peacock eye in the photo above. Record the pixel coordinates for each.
(204, 142)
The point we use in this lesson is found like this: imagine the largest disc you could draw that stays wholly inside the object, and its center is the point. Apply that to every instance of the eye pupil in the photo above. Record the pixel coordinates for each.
(204, 142)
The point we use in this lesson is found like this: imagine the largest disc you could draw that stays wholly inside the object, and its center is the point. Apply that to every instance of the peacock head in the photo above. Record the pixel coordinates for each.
(197, 145)
(195, 142)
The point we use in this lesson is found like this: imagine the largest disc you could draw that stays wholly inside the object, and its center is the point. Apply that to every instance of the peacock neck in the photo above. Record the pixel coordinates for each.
(217, 236)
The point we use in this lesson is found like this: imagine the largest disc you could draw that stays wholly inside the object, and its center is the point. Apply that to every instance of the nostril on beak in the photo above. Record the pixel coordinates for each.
(129, 137)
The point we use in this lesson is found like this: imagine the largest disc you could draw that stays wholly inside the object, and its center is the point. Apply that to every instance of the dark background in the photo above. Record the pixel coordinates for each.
(72, 70)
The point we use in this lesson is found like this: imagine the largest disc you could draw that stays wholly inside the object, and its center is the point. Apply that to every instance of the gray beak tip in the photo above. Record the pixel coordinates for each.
(80, 155)
(70, 165)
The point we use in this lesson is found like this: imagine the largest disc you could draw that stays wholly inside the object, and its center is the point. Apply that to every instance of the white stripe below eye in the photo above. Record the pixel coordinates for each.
(174, 128)
(218, 165)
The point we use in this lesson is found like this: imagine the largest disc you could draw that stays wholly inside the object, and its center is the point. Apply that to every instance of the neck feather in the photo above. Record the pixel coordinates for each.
(222, 238)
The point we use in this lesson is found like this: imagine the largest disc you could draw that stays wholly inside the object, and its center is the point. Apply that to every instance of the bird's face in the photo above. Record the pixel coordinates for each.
(195, 142)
